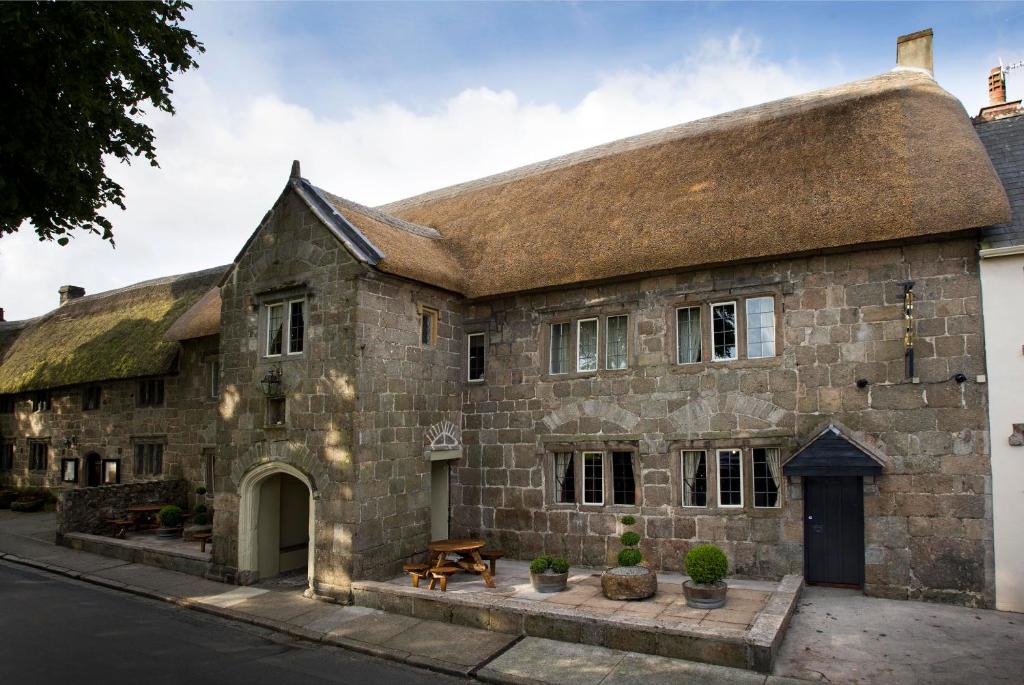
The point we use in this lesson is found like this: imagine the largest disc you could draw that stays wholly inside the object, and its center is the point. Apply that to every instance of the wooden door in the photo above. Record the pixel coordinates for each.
(834, 531)
(439, 500)
(93, 470)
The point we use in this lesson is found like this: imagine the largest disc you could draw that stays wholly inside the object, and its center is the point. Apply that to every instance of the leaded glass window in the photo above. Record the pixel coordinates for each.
(616, 341)
(586, 345)
(723, 330)
(760, 327)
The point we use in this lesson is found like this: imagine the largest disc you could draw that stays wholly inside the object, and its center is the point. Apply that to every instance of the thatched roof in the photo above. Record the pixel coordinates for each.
(886, 158)
(199, 320)
(116, 334)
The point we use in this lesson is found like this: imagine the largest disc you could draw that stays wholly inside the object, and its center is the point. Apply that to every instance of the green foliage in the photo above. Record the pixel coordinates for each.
(540, 565)
(201, 519)
(630, 539)
(200, 490)
(630, 557)
(628, 520)
(82, 76)
(199, 509)
(706, 564)
(170, 516)
(559, 565)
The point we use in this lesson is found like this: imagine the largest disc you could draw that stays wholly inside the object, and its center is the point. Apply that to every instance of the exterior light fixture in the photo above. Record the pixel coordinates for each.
(270, 384)
(862, 383)
(960, 378)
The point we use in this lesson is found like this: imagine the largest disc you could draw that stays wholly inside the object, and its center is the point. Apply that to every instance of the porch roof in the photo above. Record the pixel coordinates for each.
(832, 454)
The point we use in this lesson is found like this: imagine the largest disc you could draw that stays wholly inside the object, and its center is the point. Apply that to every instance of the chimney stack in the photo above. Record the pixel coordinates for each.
(70, 292)
(996, 86)
(2, 314)
(914, 52)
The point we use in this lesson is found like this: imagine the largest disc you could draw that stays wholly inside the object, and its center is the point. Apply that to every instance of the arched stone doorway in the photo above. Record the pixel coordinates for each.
(275, 524)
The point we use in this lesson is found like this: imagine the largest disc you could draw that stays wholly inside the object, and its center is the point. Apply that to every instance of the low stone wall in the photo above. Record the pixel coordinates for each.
(79, 510)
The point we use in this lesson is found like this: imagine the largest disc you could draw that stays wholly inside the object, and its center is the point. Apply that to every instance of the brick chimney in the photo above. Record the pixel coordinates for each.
(996, 86)
(70, 292)
(2, 314)
(998, 107)
(914, 52)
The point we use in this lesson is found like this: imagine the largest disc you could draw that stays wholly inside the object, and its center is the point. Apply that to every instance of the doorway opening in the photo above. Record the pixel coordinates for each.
(439, 500)
(834, 531)
(93, 470)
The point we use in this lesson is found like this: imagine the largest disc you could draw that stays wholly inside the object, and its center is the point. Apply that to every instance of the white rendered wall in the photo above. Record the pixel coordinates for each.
(1002, 282)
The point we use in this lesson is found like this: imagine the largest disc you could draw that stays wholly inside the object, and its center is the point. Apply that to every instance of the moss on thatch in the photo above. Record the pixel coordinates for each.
(116, 334)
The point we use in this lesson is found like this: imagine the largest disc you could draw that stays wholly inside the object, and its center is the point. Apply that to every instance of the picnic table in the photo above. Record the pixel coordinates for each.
(143, 513)
(468, 552)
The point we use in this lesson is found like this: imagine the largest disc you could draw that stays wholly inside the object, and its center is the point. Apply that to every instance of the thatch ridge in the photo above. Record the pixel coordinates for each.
(110, 335)
(885, 158)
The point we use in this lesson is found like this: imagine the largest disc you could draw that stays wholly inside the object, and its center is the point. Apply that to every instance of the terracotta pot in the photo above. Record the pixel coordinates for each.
(549, 582)
(629, 582)
(704, 596)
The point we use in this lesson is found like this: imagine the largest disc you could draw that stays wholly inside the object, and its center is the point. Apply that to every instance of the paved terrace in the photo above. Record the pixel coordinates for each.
(745, 633)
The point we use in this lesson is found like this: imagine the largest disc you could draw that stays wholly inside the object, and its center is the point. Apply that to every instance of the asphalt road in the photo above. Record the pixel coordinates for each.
(57, 630)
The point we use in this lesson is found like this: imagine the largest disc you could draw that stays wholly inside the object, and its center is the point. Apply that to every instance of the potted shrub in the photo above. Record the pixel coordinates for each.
(630, 579)
(549, 574)
(170, 521)
(707, 566)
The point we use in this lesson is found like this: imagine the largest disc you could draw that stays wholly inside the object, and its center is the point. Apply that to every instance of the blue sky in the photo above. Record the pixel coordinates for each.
(384, 100)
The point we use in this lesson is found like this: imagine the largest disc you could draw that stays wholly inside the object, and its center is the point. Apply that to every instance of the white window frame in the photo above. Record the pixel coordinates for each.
(608, 340)
(583, 475)
(284, 329)
(718, 476)
(288, 326)
(551, 347)
(753, 480)
(214, 378)
(682, 480)
(597, 344)
(700, 351)
(736, 333)
(469, 347)
(746, 327)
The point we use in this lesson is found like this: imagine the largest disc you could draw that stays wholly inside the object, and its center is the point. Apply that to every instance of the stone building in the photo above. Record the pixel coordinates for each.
(708, 327)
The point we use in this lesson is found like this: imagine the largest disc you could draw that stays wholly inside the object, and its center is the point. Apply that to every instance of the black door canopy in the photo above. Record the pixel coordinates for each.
(832, 454)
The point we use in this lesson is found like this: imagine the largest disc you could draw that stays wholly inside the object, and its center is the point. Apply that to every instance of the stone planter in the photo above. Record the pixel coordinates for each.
(548, 581)
(168, 532)
(629, 582)
(701, 596)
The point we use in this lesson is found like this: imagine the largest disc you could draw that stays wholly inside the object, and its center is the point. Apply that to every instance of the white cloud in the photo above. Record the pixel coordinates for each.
(223, 165)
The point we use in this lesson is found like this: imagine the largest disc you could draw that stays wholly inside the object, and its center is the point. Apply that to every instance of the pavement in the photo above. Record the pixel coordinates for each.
(836, 636)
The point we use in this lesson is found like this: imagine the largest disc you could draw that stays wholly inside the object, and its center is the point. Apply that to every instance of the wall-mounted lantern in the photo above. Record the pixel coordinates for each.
(271, 384)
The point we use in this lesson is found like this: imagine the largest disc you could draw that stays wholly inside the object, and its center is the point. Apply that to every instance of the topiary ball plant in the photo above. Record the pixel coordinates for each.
(559, 565)
(201, 490)
(170, 516)
(199, 509)
(540, 565)
(630, 539)
(201, 519)
(630, 557)
(706, 564)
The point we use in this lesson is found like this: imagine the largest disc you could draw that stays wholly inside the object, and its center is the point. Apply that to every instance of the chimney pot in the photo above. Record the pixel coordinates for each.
(70, 292)
(914, 51)
(296, 170)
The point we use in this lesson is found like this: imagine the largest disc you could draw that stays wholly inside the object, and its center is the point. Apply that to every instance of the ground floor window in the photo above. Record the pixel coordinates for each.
(38, 455)
(767, 476)
(593, 478)
(565, 478)
(69, 470)
(209, 458)
(730, 478)
(111, 471)
(695, 478)
(6, 455)
(623, 478)
(604, 477)
(149, 458)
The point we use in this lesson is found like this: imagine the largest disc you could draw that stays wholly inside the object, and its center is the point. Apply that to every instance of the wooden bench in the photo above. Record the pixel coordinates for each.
(203, 538)
(417, 571)
(492, 556)
(441, 573)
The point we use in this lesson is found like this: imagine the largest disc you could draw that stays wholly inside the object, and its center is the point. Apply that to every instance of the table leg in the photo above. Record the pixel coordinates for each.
(475, 556)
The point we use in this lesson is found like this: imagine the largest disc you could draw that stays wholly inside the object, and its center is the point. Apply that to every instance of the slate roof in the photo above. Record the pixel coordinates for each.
(832, 454)
(1004, 140)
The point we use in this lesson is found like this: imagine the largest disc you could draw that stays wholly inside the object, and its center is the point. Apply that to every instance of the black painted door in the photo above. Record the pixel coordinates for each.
(93, 470)
(834, 530)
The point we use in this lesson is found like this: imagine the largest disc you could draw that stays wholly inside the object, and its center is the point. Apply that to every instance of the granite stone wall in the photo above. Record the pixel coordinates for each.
(185, 423)
(839, 316)
(79, 510)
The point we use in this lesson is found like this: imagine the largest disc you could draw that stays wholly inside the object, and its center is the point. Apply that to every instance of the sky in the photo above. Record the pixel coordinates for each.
(381, 101)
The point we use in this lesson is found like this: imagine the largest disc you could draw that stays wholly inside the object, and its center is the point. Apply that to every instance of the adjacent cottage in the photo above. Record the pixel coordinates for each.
(761, 329)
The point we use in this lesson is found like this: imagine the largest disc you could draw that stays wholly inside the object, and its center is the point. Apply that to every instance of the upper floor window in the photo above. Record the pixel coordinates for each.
(730, 478)
(476, 350)
(150, 393)
(616, 342)
(286, 327)
(767, 477)
(91, 398)
(723, 331)
(6, 404)
(214, 369)
(149, 458)
(42, 401)
(695, 478)
(586, 345)
(38, 455)
(760, 327)
(428, 326)
(559, 356)
(688, 335)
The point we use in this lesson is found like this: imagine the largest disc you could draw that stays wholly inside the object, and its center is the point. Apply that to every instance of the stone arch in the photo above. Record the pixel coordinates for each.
(294, 454)
(598, 409)
(249, 516)
(695, 416)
